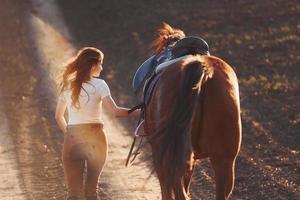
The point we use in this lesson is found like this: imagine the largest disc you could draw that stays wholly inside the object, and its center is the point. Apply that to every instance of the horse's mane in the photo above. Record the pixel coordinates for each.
(167, 35)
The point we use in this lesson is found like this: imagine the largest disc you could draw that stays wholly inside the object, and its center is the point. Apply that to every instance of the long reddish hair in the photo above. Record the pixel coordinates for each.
(167, 36)
(78, 70)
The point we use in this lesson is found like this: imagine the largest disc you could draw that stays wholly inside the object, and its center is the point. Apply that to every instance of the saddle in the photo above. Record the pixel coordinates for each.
(147, 75)
(190, 46)
(144, 72)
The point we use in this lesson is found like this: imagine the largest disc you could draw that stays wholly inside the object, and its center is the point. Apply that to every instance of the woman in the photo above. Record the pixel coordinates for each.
(84, 140)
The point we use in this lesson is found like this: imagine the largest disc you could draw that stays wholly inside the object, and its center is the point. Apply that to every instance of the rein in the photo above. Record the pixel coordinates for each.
(132, 155)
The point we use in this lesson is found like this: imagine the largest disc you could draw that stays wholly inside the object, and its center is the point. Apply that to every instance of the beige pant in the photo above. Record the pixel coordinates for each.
(83, 143)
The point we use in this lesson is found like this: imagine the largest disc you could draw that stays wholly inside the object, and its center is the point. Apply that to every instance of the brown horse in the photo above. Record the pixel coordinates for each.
(194, 113)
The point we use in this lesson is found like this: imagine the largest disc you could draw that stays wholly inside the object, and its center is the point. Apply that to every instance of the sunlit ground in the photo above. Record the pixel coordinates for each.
(265, 58)
(54, 50)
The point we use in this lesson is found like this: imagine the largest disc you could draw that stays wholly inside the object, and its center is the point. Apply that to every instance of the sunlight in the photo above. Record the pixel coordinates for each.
(53, 47)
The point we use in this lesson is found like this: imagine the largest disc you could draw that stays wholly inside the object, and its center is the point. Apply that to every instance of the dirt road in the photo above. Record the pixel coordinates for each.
(38, 36)
(10, 179)
(35, 162)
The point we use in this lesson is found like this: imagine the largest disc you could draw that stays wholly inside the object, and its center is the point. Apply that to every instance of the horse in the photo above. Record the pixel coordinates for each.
(194, 113)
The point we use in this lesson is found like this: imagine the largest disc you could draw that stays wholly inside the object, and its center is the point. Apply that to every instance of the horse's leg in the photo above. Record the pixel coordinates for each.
(224, 177)
(179, 191)
(182, 189)
(188, 174)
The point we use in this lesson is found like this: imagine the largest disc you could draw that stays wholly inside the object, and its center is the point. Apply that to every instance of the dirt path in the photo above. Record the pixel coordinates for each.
(53, 45)
(10, 179)
(253, 173)
(37, 140)
(35, 41)
(30, 99)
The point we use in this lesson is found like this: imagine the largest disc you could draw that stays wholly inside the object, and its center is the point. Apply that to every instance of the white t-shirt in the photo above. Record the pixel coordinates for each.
(90, 105)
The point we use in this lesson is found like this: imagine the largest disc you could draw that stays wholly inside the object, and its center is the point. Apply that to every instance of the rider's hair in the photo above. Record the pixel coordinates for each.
(167, 36)
(77, 72)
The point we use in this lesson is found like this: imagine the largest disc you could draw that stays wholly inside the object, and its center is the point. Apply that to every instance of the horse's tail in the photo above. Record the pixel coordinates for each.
(174, 149)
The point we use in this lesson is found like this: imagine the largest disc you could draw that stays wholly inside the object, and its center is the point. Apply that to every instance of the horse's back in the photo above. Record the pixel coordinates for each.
(220, 124)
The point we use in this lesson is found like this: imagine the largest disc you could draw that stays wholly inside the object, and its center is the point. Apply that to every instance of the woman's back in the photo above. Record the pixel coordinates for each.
(89, 100)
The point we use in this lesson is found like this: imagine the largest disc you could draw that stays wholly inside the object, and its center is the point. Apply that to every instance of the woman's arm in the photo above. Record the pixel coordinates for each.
(59, 115)
(117, 111)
